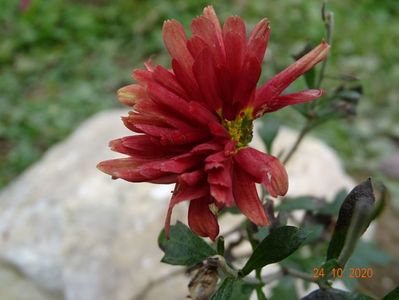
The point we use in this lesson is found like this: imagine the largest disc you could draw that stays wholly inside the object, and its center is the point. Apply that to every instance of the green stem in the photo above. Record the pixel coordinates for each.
(224, 267)
(258, 272)
(299, 274)
(260, 294)
(328, 18)
(220, 245)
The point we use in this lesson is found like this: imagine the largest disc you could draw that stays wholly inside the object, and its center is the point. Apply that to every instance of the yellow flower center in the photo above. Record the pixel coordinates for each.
(240, 129)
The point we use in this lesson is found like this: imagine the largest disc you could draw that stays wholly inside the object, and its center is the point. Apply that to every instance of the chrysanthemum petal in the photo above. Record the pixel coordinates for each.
(291, 99)
(171, 137)
(201, 219)
(129, 94)
(204, 72)
(176, 42)
(221, 187)
(119, 145)
(128, 169)
(189, 186)
(265, 169)
(186, 80)
(210, 13)
(144, 146)
(234, 37)
(246, 83)
(195, 45)
(142, 76)
(209, 147)
(205, 29)
(247, 199)
(275, 86)
(178, 164)
(149, 109)
(258, 39)
(168, 80)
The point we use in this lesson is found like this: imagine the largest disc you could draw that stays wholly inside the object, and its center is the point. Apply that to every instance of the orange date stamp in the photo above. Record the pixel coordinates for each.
(336, 273)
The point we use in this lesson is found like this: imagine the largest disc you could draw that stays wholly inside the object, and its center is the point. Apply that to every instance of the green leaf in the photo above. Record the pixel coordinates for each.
(242, 290)
(334, 294)
(279, 244)
(268, 131)
(225, 290)
(392, 295)
(162, 240)
(360, 198)
(184, 247)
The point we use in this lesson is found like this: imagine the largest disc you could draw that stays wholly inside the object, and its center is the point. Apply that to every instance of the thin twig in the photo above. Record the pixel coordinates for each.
(299, 274)
(154, 282)
(269, 278)
(299, 139)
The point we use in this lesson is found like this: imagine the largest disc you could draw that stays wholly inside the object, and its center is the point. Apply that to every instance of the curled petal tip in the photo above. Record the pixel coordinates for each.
(209, 9)
(277, 181)
(98, 166)
(130, 94)
(324, 48)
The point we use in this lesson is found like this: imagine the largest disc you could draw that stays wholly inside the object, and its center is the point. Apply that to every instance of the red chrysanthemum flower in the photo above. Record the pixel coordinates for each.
(195, 120)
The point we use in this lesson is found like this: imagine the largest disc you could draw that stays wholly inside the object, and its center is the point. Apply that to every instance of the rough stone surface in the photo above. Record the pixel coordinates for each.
(70, 230)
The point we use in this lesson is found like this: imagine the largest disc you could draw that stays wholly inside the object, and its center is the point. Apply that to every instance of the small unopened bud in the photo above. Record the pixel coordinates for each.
(204, 282)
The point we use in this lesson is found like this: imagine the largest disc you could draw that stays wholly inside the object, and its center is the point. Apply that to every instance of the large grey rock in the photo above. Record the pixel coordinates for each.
(71, 230)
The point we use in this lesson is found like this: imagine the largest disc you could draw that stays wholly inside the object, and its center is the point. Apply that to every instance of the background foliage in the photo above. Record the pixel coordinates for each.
(61, 61)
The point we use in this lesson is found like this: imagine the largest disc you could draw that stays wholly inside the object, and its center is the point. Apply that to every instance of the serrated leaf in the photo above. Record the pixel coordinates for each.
(392, 295)
(361, 196)
(184, 247)
(334, 294)
(278, 245)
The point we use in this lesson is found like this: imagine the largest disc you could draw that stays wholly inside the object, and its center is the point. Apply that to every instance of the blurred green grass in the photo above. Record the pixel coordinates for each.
(61, 61)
